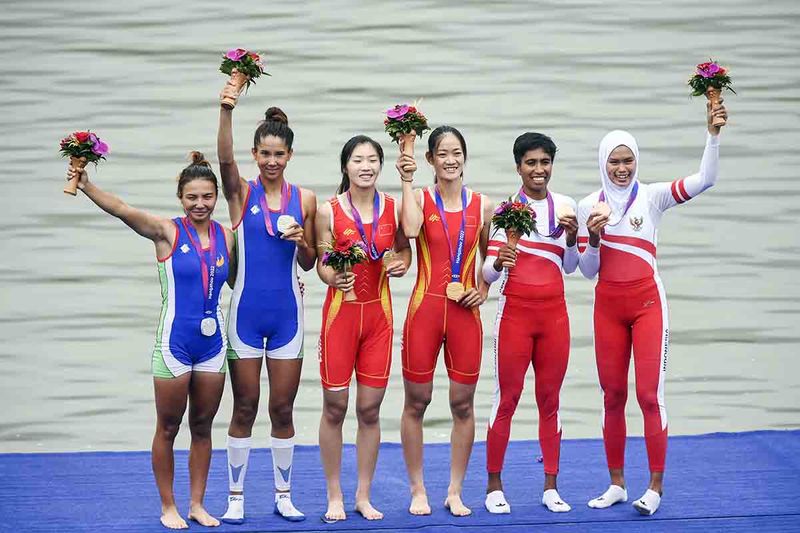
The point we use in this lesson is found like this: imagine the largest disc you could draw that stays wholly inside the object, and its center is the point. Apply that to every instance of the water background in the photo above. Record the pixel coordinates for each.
(80, 293)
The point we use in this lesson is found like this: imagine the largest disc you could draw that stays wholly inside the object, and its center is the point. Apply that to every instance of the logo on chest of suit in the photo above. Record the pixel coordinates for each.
(220, 261)
(636, 223)
(348, 232)
(434, 218)
(255, 210)
(185, 248)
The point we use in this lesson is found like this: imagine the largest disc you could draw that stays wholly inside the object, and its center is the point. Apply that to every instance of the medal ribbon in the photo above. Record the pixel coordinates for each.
(207, 270)
(457, 256)
(262, 201)
(631, 199)
(555, 230)
(376, 213)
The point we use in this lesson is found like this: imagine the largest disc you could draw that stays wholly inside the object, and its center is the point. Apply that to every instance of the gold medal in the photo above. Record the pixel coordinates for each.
(455, 290)
(388, 258)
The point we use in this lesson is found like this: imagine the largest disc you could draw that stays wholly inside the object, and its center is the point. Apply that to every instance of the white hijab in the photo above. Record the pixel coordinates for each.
(615, 196)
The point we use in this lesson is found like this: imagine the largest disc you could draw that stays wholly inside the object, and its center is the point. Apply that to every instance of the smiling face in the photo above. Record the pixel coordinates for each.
(198, 198)
(363, 166)
(535, 169)
(621, 166)
(272, 155)
(448, 158)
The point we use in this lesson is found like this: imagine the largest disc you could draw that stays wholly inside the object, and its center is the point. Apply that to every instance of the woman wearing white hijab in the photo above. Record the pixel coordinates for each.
(617, 236)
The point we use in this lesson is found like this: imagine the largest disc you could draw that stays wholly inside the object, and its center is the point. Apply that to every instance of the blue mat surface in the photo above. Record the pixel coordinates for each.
(725, 481)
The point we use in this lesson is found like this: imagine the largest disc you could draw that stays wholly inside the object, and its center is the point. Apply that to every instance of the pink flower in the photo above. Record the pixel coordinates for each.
(397, 112)
(98, 147)
(708, 70)
(235, 54)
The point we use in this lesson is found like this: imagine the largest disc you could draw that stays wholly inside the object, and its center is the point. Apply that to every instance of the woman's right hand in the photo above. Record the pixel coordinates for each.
(344, 281)
(596, 222)
(506, 258)
(80, 173)
(406, 166)
(230, 90)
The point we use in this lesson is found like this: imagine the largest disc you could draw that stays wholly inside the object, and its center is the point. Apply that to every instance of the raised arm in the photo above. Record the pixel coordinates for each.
(322, 229)
(159, 230)
(233, 185)
(411, 203)
(669, 194)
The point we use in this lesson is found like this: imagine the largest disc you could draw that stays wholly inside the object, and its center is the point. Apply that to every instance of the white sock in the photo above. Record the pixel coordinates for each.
(553, 501)
(614, 494)
(235, 512)
(285, 507)
(496, 503)
(648, 503)
(238, 456)
(282, 454)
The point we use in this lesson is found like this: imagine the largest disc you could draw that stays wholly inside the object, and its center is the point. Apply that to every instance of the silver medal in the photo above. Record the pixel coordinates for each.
(285, 222)
(208, 326)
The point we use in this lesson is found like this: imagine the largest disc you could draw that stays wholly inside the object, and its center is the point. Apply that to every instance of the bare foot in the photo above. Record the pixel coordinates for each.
(456, 506)
(335, 511)
(365, 509)
(419, 504)
(199, 514)
(172, 519)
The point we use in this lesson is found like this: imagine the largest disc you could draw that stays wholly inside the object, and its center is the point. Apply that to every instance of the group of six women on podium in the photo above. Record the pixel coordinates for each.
(278, 225)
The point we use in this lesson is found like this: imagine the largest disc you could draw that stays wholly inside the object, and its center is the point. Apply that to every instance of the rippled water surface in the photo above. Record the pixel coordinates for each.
(80, 294)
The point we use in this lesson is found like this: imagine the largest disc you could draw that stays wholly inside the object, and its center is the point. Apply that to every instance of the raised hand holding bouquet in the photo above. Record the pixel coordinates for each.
(342, 256)
(403, 123)
(710, 79)
(243, 67)
(516, 218)
(82, 148)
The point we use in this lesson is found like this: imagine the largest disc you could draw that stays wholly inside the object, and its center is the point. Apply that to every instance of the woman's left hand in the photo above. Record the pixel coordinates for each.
(711, 114)
(396, 269)
(472, 298)
(296, 234)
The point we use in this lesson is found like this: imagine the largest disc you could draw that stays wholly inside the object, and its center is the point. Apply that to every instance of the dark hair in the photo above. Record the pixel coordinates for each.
(198, 169)
(531, 141)
(347, 151)
(275, 123)
(436, 136)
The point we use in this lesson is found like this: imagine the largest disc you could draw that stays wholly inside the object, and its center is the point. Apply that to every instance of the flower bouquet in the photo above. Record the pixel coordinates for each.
(341, 256)
(403, 123)
(82, 148)
(517, 218)
(243, 67)
(710, 79)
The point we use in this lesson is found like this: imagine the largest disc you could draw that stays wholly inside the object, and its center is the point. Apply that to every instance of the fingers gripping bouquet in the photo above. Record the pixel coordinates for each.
(82, 148)
(243, 67)
(342, 256)
(710, 79)
(516, 218)
(403, 123)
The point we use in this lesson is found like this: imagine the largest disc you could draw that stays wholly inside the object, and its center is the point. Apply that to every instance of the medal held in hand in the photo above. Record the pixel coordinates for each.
(285, 222)
(208, 270)
(455, 289)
